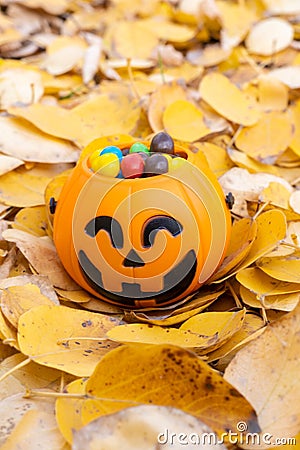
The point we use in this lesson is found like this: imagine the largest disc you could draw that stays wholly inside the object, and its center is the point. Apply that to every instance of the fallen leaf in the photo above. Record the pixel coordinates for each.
(269, 36)
(262, 284)
(151, 334)
(272, 357)
(14, 408)
(257, 141)
(32, 247)
(16, 300)
(20, 139)
(164, 375)
(20, 86)
(21, 188)
(115, 430)
(280, 302)
(228, 100)
(74, 344)
(8, 163)
(32, 220)
(68, 410)
(221, 324)
(286, 268)
(162, 97)
(33, 428)
(184, 121)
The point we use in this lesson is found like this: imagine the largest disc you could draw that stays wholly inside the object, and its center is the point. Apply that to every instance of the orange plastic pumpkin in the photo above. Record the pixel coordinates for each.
(142, 242)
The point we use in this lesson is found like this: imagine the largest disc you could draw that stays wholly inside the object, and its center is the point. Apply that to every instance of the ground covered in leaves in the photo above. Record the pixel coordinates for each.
(223, 78)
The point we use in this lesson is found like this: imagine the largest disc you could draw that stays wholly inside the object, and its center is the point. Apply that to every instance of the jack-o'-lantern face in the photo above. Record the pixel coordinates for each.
(141, 242)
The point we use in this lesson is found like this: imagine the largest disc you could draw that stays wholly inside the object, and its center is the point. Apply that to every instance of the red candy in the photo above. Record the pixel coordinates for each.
(132, 165)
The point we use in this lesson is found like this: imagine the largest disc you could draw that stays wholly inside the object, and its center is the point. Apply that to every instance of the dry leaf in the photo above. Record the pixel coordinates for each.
(269, 36)
(184, 121)
(115, 431)
(228, 100)
(162, 97)
(8, 163)
(164, 375)
(286, 268)
(64, 343)
(266, 372)
(16, 300)
(258, 142)
(262, 284)
(32, 247)
(20, 139)
(151, 334)
(19, 86)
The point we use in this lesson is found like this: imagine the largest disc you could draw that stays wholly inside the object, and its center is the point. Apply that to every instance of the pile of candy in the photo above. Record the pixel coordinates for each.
(137, 161)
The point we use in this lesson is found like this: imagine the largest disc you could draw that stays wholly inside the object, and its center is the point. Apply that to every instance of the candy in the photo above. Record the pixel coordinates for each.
(156, 164)
(176, 163)
(162, 142)
(138, 147)
(94, 155)
(106, 164)
(132, 165)
(112, 149)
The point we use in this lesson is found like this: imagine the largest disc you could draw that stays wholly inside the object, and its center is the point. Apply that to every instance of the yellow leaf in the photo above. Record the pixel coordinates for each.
(64, 343)
(33, 220)
(186, 71)
(8, 332)
(244, 161)
(276, 194)
(258, 140)
(280, 302)
(63, 54)
(271, 228)
(34, 427)
(98, 116)
(162, 97)
(184, 121)
(131, 40)
(236, 20)
(242, 237)
(266, 371)
(269, 36)
(282, 7)
(115, 431)
(222, 324)
(228, 100)
(288, 75)
(16, 300)
(168, 31)
(295, 142)
(54, 7)
(164, 375)
(13, 408)
(8, 163)
(48, 264)
(68, 410)
(285, 268)
(20, 139)
(20, 188)
(20, 86)
(217, 157)
(262, 284)
(251, 324)
(151, 334)
(273, 95)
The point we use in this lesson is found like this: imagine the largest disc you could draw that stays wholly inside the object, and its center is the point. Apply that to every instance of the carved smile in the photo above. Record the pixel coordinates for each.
(174, 282)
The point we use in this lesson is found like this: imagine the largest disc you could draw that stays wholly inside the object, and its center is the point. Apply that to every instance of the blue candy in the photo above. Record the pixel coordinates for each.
(112, 149)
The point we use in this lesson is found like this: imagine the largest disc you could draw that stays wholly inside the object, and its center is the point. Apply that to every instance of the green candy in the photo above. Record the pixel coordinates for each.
(138, 147)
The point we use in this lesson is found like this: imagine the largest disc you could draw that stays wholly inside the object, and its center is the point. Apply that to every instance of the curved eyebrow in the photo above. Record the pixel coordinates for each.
(160, 223)
(108, 224)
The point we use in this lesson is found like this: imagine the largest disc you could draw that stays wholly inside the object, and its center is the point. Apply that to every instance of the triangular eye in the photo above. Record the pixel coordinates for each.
(159, 223)
(110, 225)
